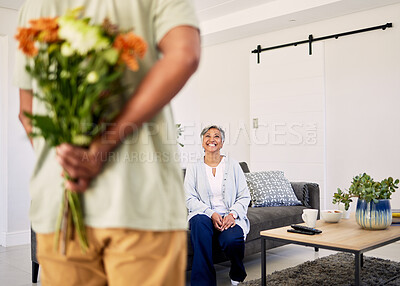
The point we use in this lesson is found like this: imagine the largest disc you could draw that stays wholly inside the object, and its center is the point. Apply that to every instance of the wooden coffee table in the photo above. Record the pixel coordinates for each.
(346, 236)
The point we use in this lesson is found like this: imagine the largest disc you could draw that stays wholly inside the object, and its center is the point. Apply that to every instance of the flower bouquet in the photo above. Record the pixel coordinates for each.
(77, 67)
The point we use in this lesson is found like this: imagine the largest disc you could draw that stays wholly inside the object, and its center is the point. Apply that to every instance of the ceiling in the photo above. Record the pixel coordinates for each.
(209, 9)
(225, 20)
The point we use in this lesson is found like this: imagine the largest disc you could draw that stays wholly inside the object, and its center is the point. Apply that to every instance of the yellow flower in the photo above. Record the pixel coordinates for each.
(66, 50)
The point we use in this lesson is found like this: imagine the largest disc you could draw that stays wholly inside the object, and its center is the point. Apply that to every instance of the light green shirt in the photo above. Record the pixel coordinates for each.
(141, 185)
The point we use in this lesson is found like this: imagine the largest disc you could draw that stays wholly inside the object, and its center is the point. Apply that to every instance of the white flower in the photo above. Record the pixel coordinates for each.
(81, 37)
(66, 50)
(92, 77)
(65, 74)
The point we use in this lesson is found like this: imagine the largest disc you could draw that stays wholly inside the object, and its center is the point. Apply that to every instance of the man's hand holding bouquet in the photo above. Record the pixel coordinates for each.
(77, 67)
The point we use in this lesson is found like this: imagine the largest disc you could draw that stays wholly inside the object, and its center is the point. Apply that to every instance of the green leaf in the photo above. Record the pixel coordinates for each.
(43, 122)
(50, 131)
(111, 56)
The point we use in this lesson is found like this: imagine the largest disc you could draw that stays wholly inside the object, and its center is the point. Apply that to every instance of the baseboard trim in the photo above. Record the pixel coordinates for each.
(2, 238)
(15, 238)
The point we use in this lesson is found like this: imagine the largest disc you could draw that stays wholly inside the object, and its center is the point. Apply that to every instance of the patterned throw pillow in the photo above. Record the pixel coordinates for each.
(269, 189)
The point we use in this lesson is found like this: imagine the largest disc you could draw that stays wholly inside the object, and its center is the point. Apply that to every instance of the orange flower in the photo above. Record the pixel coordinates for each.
(43, 29)
(47, 28)
(131, 47)
(26, 38)
(42, 24)
(48, 36)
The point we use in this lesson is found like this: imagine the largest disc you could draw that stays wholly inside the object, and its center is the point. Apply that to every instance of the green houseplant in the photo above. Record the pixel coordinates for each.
(365, 188)
(342, 197)
(373, 206)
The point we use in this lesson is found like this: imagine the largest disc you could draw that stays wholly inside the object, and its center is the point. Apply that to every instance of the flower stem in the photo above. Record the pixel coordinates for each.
(77, 218)
(64, 225)
(70, 218)
(58, 225)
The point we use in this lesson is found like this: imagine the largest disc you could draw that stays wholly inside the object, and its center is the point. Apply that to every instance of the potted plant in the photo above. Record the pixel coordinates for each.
(343, 199)
(373, 206)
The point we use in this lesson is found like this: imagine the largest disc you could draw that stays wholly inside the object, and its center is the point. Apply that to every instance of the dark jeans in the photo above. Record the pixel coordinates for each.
(231, 241)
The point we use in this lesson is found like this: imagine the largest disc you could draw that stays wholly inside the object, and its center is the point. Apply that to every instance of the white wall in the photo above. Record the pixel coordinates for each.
(3, 137)
(217, 94)
(362, 94)
(15, 151)
(363, 99)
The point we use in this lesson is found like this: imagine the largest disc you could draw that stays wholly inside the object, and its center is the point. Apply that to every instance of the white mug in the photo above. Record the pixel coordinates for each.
(309, 216)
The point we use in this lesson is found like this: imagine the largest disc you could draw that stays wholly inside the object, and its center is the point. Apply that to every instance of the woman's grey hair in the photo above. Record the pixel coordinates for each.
(204, 131)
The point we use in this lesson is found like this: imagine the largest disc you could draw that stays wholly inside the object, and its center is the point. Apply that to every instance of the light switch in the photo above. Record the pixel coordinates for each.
(255, 123)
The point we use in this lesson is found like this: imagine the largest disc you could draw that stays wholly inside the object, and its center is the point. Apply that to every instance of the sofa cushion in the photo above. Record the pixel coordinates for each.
(272, 217)
(270, 188)
(302, 192)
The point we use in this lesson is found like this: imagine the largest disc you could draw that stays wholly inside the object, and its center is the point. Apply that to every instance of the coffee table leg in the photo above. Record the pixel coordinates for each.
(263, 262)
(357, 268)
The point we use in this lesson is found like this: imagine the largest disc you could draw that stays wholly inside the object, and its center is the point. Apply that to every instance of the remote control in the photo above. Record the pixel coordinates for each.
(301, 231)
(306, 228)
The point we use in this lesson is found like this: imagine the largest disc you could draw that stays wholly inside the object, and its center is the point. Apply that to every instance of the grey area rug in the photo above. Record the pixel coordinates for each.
(336, 269)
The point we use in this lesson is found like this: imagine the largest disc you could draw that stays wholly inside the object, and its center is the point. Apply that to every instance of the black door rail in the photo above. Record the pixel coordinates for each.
(311, 39)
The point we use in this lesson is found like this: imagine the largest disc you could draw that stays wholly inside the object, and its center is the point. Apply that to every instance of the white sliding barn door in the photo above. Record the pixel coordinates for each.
(287, 113)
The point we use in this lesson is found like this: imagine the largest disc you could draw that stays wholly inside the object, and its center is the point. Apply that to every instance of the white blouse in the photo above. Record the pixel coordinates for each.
(215, 182)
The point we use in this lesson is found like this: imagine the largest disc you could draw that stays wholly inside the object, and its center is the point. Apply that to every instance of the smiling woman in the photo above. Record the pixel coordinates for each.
(213, 140)
(217, 198)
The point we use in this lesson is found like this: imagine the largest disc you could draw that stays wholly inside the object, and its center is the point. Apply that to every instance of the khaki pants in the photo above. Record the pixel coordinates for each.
(116, 257)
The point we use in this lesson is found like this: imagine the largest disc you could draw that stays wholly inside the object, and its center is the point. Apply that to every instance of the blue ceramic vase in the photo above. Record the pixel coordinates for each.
(374, 215)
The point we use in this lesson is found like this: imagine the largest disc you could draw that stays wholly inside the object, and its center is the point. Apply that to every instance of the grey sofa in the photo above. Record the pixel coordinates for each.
(263, 218)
